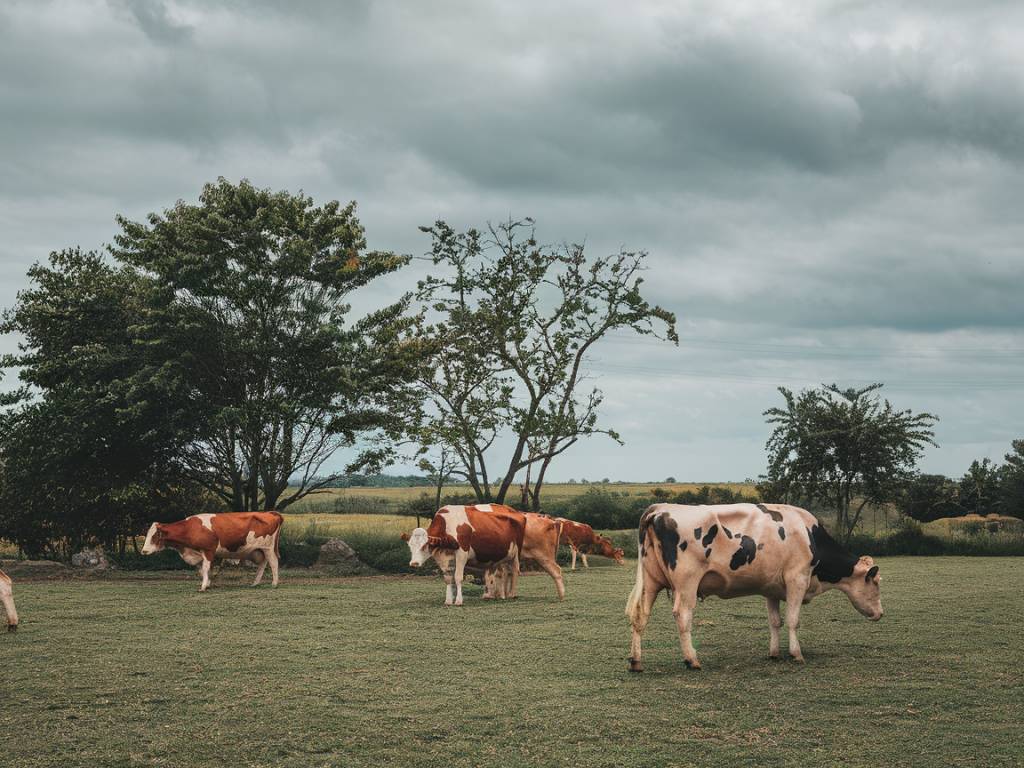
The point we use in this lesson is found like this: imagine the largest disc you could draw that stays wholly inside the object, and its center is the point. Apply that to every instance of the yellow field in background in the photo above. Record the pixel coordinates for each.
(339, 525)
(552, 492)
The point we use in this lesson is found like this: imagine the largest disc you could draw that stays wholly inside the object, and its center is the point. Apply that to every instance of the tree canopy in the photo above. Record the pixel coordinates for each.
(250, 307)
(514, 321)
(212, 346)
(846, 448)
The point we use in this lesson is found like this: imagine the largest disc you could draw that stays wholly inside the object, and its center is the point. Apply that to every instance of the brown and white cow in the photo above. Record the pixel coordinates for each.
(200, 539)
(7, 600)
(582, 540)
(540, 544)
(482, 536)
(732, 550)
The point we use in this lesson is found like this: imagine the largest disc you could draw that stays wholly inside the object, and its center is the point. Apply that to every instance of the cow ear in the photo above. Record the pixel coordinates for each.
(871, 574)
(405, 536)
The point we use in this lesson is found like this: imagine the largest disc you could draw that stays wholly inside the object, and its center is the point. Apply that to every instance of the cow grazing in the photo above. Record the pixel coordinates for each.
(733, 550)
(582, 540)
(540, 544)
(7, 600)
(479, 536)
(200, 539)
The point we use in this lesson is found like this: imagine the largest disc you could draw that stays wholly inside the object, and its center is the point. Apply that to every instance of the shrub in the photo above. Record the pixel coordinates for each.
(385, 552)
(600, 509)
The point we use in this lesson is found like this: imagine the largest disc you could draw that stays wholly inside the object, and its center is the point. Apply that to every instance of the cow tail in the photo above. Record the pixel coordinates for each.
(558, 538)
(635, 605)
(277, 538)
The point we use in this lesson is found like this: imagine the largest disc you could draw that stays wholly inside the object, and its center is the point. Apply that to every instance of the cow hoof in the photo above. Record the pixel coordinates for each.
(12, 627)
(458, 604)
(798, 659)
(774, 656)
(488, 597)
(635, 666)
(692, 664)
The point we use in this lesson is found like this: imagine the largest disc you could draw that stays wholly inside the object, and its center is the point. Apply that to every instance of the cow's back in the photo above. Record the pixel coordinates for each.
(740, 548)
(488, 529)
(233, 529)
(495, 528)
(542, 536)
(579, 535)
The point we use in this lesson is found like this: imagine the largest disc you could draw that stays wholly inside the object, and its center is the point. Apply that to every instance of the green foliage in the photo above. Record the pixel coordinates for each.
(214, 350)
(979, 488)
(610, 510)
(842, 447)
(599, 509)
(385, 552)
(89, 442)
(377, 480)
(250, 305)
(516, 320)
(929, 497)
(1012, 484)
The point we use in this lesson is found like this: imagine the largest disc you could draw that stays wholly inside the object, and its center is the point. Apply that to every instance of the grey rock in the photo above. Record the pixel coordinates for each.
(90, 558)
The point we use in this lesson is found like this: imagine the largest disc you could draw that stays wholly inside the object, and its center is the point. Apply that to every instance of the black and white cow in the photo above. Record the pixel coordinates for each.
(732, 550)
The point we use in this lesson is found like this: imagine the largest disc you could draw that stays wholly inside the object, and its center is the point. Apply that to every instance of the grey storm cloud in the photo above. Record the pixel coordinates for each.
(828, 191)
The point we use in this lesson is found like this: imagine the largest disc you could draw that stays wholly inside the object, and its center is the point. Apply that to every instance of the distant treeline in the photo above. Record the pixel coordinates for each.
(377, 481)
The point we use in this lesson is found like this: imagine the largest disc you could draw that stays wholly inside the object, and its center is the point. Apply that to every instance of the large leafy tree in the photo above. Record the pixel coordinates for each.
(515, 321)
(212, 347)
(250, 305)
(846, 448)
(1012, 481)
(89, 446)
(929, 497)
(980, 488)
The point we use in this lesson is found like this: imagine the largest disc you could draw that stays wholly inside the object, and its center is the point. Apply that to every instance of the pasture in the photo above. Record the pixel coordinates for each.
(130, 671)
(390, 499)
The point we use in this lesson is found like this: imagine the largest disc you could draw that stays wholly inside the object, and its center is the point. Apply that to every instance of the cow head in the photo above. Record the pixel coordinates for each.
(605, 548)
(419, 549)
(862, 587)
(154, 540)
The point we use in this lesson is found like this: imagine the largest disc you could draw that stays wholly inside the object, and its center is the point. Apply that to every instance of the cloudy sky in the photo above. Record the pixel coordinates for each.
(828, 191)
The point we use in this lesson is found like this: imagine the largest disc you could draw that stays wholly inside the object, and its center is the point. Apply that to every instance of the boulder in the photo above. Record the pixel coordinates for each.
(90, 558)
(337, 558)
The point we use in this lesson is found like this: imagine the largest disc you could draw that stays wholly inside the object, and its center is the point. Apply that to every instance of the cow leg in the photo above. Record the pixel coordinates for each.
(460, 573)
(774, 624)
(682, 608)
(513, 589)
(502, 582)
(449, 588)
(639, 621)
(573, 550)
(583, 557)
(7, 598)
(551, 568)
(204, 571)
(273, 561)
(261, 558)
(490, 584)
(795, 590)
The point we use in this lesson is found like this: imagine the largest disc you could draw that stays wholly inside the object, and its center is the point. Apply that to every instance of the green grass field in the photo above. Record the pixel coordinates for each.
(375, 671)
